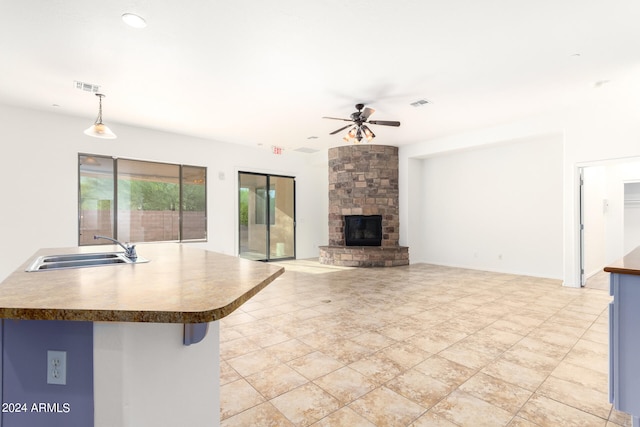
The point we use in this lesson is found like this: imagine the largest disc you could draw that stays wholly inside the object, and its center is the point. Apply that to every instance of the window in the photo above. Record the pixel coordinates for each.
(140, 201)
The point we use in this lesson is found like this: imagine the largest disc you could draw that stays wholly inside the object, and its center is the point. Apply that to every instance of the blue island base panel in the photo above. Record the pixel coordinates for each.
(28, 400)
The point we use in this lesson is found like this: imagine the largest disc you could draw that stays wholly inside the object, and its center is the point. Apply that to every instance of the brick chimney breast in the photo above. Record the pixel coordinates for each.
(363, 180)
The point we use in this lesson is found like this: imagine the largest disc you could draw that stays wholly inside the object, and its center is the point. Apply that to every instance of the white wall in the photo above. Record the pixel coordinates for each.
(495, 208)
(39, 181)
(602, 125)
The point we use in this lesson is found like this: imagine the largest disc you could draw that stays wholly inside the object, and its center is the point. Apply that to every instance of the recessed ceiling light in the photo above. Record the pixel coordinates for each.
(134, 20)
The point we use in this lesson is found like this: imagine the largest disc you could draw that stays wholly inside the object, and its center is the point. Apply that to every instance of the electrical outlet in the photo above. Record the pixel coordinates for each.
(56, 367)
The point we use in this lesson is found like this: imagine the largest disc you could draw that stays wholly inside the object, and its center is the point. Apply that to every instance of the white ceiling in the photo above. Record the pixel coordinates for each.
(265, 72)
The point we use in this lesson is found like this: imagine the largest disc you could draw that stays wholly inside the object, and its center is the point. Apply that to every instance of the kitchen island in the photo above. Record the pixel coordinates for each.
(624, 335)
(141, 317)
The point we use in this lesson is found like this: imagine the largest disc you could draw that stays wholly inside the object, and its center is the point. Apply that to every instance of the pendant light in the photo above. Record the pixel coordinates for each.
(99, 129)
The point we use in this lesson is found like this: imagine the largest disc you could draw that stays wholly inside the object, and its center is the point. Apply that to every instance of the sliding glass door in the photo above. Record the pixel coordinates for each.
(266, 216)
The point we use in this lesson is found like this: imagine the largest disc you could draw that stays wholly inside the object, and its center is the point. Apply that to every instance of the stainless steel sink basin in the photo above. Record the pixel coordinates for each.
(67, 261)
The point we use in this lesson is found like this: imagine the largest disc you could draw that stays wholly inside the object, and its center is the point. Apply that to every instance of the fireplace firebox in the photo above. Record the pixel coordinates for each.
(363, 230)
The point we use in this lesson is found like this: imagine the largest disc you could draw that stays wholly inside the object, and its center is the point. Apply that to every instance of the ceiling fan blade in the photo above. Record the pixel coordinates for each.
(367, 112)
(337, 118)
(384, 123)
(336, 131)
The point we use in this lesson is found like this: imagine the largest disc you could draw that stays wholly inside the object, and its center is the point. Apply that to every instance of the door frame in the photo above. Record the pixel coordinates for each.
(268, 215)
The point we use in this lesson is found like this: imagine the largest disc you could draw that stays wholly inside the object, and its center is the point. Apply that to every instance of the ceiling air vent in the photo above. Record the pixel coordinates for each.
(420, 103)
(87, 87)
(306, 150)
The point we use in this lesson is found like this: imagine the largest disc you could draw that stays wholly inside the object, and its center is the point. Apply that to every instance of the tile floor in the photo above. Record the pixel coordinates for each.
(420, 345)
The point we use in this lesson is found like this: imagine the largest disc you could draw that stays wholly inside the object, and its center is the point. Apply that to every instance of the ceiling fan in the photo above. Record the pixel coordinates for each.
(359, 128)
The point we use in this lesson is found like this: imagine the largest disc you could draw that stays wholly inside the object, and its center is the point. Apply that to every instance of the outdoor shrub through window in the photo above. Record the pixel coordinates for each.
(140, 201)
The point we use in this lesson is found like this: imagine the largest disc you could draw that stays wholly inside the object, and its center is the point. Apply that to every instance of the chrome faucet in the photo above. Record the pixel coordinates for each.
(129, 250)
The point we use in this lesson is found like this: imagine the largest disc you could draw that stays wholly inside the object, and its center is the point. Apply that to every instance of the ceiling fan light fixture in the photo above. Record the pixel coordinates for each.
(99, 129)
(360, 120)
(359, 134)
(368, 134)
(350, 135)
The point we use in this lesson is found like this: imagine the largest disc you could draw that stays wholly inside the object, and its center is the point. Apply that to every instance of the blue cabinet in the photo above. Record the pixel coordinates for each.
(624, 344)
(27, 399)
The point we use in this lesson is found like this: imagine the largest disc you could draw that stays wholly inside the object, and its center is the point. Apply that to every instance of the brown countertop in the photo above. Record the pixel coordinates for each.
(629, 264)
(180, 284)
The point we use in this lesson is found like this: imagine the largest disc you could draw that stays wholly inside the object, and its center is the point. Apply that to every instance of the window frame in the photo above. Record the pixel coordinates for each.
(115, 178)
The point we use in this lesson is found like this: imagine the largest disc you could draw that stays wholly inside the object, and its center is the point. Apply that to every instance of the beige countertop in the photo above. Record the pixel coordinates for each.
(180, 284)
(629, 264)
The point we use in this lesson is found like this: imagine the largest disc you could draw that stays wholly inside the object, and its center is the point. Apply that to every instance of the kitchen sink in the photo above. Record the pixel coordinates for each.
(68, 261)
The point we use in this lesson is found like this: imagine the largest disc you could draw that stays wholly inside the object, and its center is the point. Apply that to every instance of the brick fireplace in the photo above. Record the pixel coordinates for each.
(363, 181)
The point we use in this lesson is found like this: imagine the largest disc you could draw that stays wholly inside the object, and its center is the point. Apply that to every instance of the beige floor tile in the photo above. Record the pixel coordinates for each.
(436, 339)
(229, 334)
(469, 323)
(497, 392)
(531, 359)
(515, 374)
(596, 336)
(266, 312)
(547, 412)
(237, 318)
(577, 396)
(315, 365)
(236, 397)
(306, 404)
(404, 355)
(432, 420)
(554, 337)
(466, 410)
(253, 329)
(289, 350)
(373, 341)
(510, 326)
(586, 377)
(323, 338)
(237, 347)
(276, 380)
(345, 416)
(347, 351)
(269, 339)
(537, 346)
(620, 418)
(227, 373)
(495, 337)
(263, 415)
(377, 368)
(399, 331)
(388, 324)
(386, 408)
(253, 362)
(419, 388)
(451, 373)
(588, 359)
(469, 354)
(346, 384)
(521, 422)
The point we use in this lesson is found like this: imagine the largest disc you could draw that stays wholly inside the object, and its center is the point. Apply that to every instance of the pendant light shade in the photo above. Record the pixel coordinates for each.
(99, 129)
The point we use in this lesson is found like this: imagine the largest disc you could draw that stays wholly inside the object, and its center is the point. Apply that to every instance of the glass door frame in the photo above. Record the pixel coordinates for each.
(268, 177)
